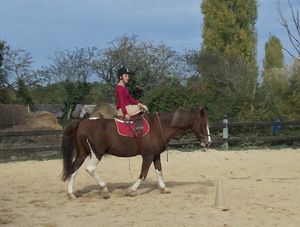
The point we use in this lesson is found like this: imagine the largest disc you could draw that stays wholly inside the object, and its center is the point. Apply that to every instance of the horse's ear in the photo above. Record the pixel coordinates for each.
(202, 112)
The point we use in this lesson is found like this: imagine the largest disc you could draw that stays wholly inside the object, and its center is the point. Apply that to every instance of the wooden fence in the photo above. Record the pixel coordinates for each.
(217, 129)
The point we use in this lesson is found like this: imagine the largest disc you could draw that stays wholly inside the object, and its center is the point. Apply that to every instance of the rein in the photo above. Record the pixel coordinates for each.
(163, 136)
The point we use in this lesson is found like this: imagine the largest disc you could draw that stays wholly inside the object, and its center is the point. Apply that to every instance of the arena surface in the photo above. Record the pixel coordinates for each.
(260, 187)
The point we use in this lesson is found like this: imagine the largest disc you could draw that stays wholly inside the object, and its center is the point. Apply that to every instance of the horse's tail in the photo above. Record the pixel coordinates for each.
(68, 148)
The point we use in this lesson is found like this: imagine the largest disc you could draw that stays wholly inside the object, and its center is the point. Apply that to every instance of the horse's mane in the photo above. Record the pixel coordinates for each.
(179, 119)
(182, 118)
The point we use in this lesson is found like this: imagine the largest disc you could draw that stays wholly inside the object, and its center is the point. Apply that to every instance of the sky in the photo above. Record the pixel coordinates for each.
(42, 27)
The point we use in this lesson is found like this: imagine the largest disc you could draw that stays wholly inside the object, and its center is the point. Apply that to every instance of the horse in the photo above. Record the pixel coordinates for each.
(97, 137)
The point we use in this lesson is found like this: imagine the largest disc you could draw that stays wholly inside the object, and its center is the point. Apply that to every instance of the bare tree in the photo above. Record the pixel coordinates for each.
(74, 66)
(292, 29)
(16, 64)
(151, 63)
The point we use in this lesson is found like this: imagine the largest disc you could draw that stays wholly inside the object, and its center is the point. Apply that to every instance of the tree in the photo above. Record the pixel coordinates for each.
(273, 54)
(3, 77)
(294, 90)
(229, 28)
(275, 81)
(74, 69)
(53, 93)
(277, 85)
(74, 66)
(292, 29)
(14, 64)
(24, 95)
(226, 86)
(151, 64)
(17, 65)
(227, 61)
(171, 96)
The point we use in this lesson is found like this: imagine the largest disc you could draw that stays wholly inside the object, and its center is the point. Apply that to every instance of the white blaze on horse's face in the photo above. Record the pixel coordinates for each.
(209, 141)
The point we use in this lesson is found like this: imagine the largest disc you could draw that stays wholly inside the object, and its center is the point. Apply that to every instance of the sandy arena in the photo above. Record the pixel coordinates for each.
(261, 188)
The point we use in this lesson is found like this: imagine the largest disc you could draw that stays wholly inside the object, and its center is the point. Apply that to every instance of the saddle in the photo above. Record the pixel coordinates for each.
(137, 127)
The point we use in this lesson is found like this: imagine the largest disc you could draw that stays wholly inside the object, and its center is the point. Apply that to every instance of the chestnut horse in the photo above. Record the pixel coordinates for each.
(97, 137)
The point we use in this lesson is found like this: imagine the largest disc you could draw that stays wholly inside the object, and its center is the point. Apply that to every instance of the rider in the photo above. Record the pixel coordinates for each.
(126, 105)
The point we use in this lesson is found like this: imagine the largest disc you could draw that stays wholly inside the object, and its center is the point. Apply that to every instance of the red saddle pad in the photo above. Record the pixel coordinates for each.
(128, 128)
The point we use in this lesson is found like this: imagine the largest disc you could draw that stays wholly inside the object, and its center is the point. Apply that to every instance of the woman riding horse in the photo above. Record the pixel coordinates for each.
(126, 105)
(95, 138)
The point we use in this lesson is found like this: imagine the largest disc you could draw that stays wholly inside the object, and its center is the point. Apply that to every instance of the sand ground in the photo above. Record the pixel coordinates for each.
(260, 187)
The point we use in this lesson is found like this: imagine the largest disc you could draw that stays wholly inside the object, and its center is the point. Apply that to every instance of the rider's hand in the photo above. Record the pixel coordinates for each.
(142, 106)
(127, 117)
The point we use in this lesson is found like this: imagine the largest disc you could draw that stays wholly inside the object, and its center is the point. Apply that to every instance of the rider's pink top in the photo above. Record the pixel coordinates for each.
(124, 98)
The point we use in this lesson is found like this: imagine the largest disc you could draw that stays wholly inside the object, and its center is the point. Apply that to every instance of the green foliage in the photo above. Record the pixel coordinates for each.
(226, 86)
(171, 96)
(294, 90)
(56, 94)
(281, 92)
(50, 94)
(227, 62)
(273, 54)
(98, 93)
(75, 92)
(151, 64)
(276, 82)
(24, 95)
(229, 28)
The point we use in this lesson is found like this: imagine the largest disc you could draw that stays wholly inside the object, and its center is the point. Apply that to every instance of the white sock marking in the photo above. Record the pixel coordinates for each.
(136, 184)
(71, 183)
(160, 179)
(91, 167)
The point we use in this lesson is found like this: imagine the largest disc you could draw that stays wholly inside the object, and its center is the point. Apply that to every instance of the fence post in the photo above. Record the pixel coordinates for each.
(225, 131)
(276, 127)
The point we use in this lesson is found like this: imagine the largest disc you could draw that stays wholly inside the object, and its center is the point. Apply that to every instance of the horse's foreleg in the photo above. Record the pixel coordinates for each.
(147, 160)
(158, 171)
(91, 169)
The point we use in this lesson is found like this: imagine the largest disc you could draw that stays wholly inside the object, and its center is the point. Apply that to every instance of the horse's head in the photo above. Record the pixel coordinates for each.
(200, 127)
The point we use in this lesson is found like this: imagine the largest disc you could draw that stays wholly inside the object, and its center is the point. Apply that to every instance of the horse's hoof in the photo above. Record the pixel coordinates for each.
(130, 193)
(71, 196)
(165, 191)
(105, 195)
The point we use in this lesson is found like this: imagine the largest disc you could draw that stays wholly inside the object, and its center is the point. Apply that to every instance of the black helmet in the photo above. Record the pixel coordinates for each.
(122, 71)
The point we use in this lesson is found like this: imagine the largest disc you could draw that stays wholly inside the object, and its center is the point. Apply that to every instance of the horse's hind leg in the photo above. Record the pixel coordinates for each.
(76, 165)
(91, 168)
(158, 171)
(147, 160)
